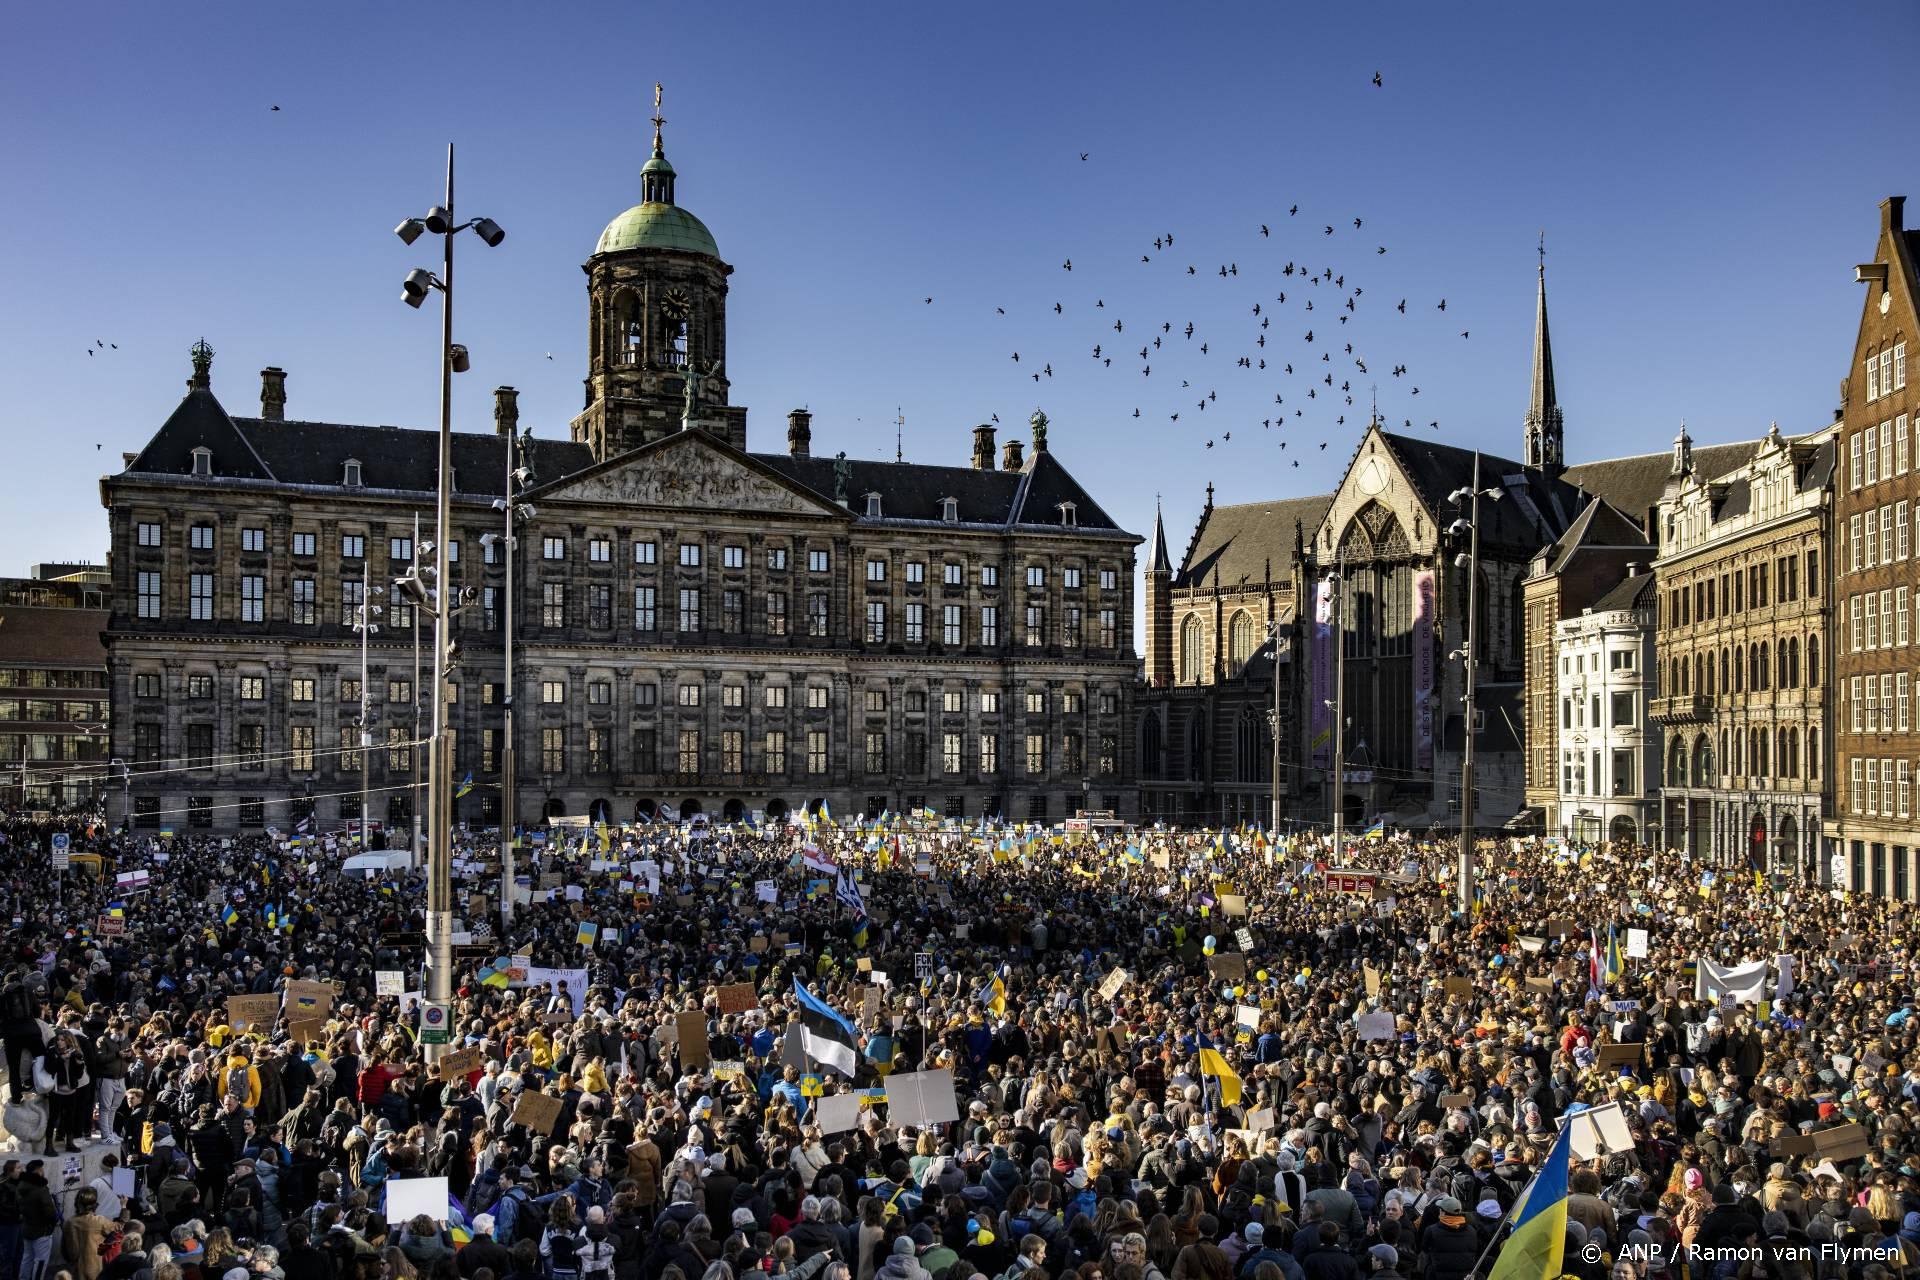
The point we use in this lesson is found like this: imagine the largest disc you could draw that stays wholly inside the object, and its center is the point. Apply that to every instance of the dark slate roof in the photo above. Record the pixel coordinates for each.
(913, 490)
(1245, 543)
(1632, 593)
(1634, 484)
(1536, 509)
(399, 457)
(197, 421)
(1597, 525)
(52, 637)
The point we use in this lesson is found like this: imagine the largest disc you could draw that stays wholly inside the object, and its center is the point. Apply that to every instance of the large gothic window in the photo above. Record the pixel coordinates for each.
(1249, 746)
(1240, 641)
(1197, 747)
(1191, 649)
(1150, 747)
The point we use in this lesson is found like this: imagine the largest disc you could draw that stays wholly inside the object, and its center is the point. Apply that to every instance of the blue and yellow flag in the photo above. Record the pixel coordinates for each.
(1616, 963)
(860, 932)
(230, 915)
(1377, 831)
(1213, 1064)
(1536, 1250)
(994, 996)
(466, 785)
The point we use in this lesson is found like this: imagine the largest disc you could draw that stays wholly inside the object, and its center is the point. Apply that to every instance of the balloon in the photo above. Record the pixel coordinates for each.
(1262, 975)
(1208, 945)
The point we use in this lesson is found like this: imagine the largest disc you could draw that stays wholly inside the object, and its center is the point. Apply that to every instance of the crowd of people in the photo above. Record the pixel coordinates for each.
(1175, 1055)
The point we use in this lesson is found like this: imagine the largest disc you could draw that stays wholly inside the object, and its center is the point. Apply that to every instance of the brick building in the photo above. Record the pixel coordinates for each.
(698, 627)
(1877, 498)
(53, 689)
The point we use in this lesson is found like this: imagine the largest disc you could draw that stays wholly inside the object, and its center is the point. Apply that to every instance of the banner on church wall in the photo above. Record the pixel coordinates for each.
(1423, 587)
(1322, 659)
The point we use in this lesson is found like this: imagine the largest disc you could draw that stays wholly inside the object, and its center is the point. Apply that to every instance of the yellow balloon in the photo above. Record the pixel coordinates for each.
(1307, 972)
(1262, 975)
(1239, 991)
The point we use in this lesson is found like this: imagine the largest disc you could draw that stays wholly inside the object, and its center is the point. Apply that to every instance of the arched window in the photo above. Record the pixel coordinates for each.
(1726, 676)
(1249, 746)
(1197, 748)
(1150, 746)
(1703, 761)
(1738, 756)
(1239, 641)
(1703, 674)
(1677, 764)
(1762, 667)
(1813, 755)
(1191, 649)
(1813, 664)
(1760, 761)
(1739, 671)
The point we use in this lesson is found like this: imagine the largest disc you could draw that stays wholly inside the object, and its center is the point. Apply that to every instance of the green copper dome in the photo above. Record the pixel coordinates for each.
(656, 225)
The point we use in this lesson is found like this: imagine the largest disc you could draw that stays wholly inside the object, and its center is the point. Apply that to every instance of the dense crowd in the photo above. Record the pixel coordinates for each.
(1076, 987)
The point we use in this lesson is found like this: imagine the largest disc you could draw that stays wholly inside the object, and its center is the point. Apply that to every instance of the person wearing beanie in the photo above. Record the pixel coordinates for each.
(1261, 1249)
(935, 1256)
(902, 1262)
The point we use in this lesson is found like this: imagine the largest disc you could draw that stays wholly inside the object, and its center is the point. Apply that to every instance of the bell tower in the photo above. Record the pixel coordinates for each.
(657, 323)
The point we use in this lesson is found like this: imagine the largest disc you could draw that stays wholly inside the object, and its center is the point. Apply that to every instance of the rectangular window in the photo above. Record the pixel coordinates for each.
(353, 546)
(1900, 445)
(989, 626)
(300, 689)
(199, 685)
(774, 752)
(349, 689)
(1899, 366)
(1036, 702)
(1901, 695)
(553, 604)
(553, 547)
(350, 758)
(399, 608)
(646, 552)
(253, 688)
(1900, 530)
(399, 751)
(1856, 793)
(149, 598)
(916, 762)
(147, 534)
(304, 612)
(1073, 756)
(733, 751)
(876, 700)
(689, 694)
(733, 695)
(1853, 628)
(876, 622)
(400, 691)
(489, 746)
(733, 557)
(200, 537)
(916, 572)
(952, 573)
(644, 616)
(1886, 535)
(819, 561)
(774, 697)
(689, 609)
(1036, 628)
(146, 685)
(200, 597)
(989, 575)
(816, 697)
(1036, 575)
(599, 605)
(646, 695)
(1036, 755)
(1813, 575)
(199, 746)
(876, 569)
(876, 751)
(1109, 703)
(1873, 455)
(916, 622)
(1070, 627)
(489, 608)
(252, 741)
(816, 613)
(200, 811)
(776, 613)
(1900, 615)
(1853, 459)
(1903, 802)
(733, 610)
(817, 751)
(1853, 700)
(777, 559)
(553, 692)
(253, 598)
(300, 742)
(599, 551)
(399, 548)
(303, 544)
(952, 702)
(553, 751)
(689, 555)
(253, 539)
(951, 625)
(599, 693)
(1073, 702)
(1070, 579)
(1109, 579)
(950, 753)
(646, 750)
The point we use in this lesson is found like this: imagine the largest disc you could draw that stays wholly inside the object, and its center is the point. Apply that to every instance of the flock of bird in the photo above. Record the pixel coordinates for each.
(1300, 342)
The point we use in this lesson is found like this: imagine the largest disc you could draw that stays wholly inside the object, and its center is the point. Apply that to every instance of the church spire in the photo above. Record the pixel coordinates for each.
(1544, 443)
(656, 175)
(1161, 562)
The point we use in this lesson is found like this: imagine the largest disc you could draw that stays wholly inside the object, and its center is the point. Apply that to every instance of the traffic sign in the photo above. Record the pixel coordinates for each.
(436, 1022)
(62, 850)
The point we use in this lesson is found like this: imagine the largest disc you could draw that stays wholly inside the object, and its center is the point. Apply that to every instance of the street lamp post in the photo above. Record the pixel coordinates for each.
(518, 473)
(364, 623)
(439, 221)
(1273, 732)
(1470, 561)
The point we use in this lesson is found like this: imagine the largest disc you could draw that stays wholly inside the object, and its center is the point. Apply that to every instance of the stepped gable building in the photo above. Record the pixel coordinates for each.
(698, 627)
(1876, 501)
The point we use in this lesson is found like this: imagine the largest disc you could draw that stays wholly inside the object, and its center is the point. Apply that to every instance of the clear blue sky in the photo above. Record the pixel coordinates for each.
(1706, 178)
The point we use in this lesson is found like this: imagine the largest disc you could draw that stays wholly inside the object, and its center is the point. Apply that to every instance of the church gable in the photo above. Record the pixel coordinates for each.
(689, 470)
(1377, 486)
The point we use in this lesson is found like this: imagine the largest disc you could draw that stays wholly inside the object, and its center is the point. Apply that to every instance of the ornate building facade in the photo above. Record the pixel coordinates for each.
(697, 627)
(1876, 595)
(1744, 654)
(1609, 751)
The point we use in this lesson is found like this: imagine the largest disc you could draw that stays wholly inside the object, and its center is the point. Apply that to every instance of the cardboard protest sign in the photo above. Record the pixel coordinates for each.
(1613, 1056)
(460, 1062)
(537, 1111)
(1561, 928)
(1636, 944)
(1111, 986)
(1372, 977)
(1793, 1143)
(1532, 944)
(922, 1098)
(1458, 988)
(1599, 1131)
(1230, 965)
(252, 1013)
(1452, 1100)
(1842, 1142)
(1260, 1119)
(738, 997)
(389, 982)
(1375, 1026)
(692, 1024)
(869, 1003)
(1243, 938)
(308, 999)
(1233, 904)
(1246, 1015)
(307, 1031)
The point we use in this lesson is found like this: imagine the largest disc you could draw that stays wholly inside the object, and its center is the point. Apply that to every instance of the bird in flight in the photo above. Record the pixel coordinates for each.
(1083, 155)
(1443, 304)
(276, 106)
(1263, 229)
(1376, 84)
(1067, 265)
(549, 355)
(929, 301)
(1291, 212)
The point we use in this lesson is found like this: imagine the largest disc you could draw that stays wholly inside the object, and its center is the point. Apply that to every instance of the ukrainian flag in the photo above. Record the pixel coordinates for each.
(1377, 831)
(860, 932)
(466, 785)
(1536, 1249)
(1616, 963)
(1213, 1064)
(994, 996)
(230, 915)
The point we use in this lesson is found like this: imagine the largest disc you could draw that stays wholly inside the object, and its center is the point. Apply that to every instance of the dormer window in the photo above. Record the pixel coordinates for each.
(950, 510)
(1069, 515)
(203, 461)
(351, 473)
(873, 506)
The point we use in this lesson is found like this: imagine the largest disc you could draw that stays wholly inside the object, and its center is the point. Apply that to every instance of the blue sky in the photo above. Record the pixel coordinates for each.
(1705, 186)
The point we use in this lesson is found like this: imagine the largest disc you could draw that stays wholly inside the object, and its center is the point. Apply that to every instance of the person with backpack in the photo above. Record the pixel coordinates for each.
(597, 1247)
(561, 1243)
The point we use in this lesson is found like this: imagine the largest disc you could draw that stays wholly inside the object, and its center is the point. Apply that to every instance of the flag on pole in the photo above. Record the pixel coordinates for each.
(466, 785)
(1213, 1064)
(826, 1035)
(1537, 1248)
(994, 996)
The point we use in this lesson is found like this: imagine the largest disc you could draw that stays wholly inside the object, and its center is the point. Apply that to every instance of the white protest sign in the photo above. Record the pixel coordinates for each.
(838, 1112)
(389, 982)
(407, 1198)
(1636, 944)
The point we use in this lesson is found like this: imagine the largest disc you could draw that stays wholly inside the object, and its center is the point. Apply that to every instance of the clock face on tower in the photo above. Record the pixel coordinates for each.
(676, 305)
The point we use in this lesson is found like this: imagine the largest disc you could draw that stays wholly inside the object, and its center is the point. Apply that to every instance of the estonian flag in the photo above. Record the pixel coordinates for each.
(1536, 1250)
(827, 1037)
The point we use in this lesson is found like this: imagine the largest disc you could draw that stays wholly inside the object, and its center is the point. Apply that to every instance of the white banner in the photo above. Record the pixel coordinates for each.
(1742, 983)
